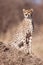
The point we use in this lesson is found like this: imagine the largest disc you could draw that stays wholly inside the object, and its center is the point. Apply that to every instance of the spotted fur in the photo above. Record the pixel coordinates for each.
(23, 35)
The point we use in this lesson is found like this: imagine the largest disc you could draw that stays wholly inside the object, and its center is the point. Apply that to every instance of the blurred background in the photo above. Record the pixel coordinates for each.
(11, 14)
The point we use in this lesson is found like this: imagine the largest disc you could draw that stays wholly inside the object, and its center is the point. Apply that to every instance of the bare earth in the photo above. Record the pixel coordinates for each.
(37, 44)
(11, 56)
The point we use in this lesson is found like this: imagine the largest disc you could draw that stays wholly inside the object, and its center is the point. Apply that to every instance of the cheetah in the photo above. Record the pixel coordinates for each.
(23, 35)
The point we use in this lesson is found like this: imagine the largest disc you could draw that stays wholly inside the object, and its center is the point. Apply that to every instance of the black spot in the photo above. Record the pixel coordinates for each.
(28, 35)
(21, 44)
(6, 49)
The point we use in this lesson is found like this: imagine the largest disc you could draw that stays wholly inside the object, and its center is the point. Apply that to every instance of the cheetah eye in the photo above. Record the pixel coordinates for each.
(26, 14)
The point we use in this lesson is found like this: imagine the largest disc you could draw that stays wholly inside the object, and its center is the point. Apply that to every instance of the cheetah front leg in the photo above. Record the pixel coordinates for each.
(29, 42)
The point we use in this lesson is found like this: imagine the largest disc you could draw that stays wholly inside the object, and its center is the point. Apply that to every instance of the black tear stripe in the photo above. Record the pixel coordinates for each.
(28, 35)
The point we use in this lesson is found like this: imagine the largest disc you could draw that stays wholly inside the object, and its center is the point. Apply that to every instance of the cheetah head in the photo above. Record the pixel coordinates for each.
(27, 13)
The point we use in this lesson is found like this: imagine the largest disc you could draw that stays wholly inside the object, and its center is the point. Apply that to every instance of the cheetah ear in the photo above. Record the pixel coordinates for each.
(31, 10)
(23, 10)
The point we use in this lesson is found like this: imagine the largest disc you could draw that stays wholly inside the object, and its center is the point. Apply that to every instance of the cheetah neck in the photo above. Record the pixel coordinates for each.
(28, 20)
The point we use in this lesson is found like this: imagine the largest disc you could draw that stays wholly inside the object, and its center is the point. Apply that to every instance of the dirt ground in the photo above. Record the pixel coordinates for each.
(37, 44)
(11, 56)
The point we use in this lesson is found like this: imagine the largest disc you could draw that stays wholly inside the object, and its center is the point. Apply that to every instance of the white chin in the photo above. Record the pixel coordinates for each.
(26, 16)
